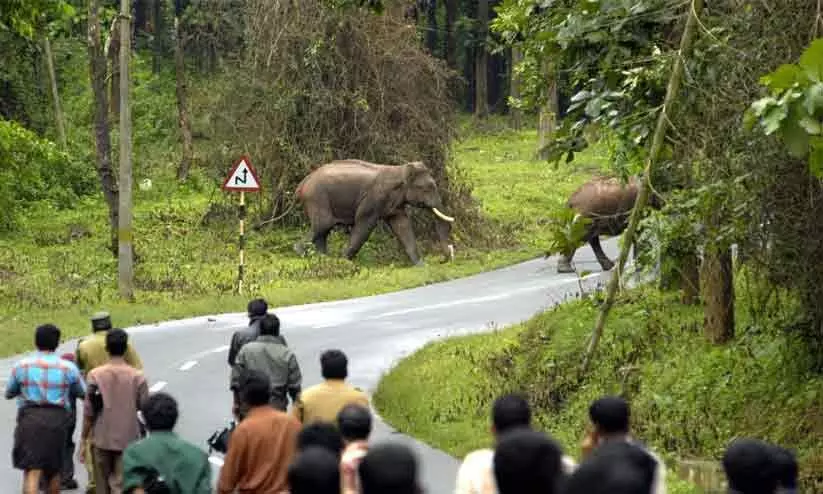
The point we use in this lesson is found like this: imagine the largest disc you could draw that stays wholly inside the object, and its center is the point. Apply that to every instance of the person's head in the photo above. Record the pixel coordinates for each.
(787, 468)
(354, 422)
(101, 322)
(322, 434)
(254, 388)
(117, 341)
(527, 461)
(315, 470)
(257, 308)
(389, 468)
(616, 467)
(160, 412)
(334, 364)
(749, 467)
(510, 411)
(610, 415)
(47, 337)
(270, 325)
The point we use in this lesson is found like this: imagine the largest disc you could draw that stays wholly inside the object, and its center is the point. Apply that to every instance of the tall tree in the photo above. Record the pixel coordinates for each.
(102, 138)
(450, 38)
(431, 32)
(481, 68)
(55, 94)
(514, 85)
(182, 106)
(125, 258)
(113, 56)
(718, 294)
(548, 111)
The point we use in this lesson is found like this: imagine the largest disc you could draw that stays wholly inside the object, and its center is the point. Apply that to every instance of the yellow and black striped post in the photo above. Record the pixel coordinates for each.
(242, 241)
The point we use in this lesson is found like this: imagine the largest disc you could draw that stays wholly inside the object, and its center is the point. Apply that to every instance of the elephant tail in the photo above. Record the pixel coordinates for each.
(298, 195)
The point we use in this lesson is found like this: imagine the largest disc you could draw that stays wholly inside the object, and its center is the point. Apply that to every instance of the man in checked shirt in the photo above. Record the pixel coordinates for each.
(45, 387)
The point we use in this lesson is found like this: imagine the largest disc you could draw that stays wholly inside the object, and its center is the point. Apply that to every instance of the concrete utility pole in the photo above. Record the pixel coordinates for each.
(125, 252)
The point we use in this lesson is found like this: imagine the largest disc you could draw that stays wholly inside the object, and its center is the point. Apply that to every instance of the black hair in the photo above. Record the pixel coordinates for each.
(614, 468)
(314, 470)
(117, 341)
(47, 337)
(160, 412)
(787, 468)
(254, 387)
(389, 468)
(257, 307)
(749, 467)
(510, 411)
(322, 434)
(334, 364)
(527, 461)
(270, 325)
(610, 414)
(354, 422)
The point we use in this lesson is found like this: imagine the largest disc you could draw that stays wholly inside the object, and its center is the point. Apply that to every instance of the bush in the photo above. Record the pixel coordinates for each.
(33, 170)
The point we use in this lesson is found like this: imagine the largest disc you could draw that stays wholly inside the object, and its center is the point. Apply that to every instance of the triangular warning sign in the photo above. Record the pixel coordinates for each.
(242, 177)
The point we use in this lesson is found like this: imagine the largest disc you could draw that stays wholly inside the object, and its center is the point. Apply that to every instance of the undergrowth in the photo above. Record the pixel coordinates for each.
(689, 398)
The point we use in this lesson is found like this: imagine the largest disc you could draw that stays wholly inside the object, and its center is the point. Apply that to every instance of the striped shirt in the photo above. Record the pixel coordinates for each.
(43, 378)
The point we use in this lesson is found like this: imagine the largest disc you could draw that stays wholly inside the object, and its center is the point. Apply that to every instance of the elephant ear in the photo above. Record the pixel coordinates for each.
(412, 170)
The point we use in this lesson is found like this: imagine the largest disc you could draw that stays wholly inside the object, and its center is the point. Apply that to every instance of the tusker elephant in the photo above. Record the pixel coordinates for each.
(608, 203)
(358, 194)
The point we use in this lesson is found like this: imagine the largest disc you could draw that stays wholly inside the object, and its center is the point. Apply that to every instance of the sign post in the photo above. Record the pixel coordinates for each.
(242, 178)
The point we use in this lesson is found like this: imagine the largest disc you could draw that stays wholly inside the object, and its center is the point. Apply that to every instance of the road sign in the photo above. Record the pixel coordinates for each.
(242, 177)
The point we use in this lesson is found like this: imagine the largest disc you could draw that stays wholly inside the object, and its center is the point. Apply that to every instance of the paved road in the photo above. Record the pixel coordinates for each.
(188, 358)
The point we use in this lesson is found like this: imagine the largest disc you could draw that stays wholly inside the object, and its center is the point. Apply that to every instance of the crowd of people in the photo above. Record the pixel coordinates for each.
(290, 440)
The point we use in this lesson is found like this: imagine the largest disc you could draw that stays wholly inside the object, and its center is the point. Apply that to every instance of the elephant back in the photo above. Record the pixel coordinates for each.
(604, 197)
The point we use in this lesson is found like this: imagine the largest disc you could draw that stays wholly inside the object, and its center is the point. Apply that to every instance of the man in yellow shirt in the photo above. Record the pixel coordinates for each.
(324, 401)
(91, 353)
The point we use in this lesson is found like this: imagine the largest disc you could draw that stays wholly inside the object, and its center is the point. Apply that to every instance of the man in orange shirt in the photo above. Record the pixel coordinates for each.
(262, 446)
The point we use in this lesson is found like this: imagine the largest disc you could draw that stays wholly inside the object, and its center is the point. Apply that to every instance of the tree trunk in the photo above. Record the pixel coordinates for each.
(657, 145)
(514, 88)
(718, 296)
(481, 68)
(548, 113)
(450, 48)
(55, 94)
(431, 32)
(125, 259)
(113, 55)
(182, 107)
(158, 31)
(102, 141)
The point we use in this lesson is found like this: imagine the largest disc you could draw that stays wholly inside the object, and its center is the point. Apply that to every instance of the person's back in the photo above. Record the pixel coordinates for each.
(183, 466)
(322, 402)
(262, 445)
(257, 310)
(91, 351)
(267, 355)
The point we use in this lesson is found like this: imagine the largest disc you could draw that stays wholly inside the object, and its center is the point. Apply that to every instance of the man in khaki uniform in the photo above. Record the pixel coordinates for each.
(90, 354)
(324, 401)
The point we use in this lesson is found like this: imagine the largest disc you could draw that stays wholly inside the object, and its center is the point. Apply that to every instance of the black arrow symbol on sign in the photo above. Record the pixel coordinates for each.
(237, 180)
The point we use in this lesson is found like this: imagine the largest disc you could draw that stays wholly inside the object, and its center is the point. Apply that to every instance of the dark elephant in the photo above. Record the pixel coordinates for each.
(608, 202)
(358, 194)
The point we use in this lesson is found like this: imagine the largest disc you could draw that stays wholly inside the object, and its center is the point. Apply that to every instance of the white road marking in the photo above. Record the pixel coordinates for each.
(157, 386)
(188, 365)
(220, 349)
(214, 460)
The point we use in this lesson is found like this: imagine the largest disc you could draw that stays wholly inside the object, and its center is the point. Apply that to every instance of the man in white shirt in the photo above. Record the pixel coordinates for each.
(476, 474)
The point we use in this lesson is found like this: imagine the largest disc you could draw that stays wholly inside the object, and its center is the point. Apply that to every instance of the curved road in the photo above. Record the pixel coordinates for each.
(187, 358)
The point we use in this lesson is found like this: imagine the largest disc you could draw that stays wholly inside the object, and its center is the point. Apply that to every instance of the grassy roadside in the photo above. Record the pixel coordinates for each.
(689, 398)
(58, 269)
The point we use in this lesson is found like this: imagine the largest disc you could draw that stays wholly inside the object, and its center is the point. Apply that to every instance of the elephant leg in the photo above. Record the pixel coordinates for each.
(402, 227)
(564, 264)
(359, 234)
(601, 256)
(320, 237)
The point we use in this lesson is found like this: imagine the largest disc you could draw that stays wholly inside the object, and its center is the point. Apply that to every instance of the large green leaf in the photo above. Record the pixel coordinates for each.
(814, 98)
(772, 120)
(795, 137)
(810, 125)
(812, 60)
(783, 78)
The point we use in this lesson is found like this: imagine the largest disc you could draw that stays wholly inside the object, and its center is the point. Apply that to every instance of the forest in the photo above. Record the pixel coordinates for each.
(120, 121)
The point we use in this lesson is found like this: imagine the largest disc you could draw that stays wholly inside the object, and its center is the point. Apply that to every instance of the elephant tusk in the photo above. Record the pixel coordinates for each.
(451, 252)
(442, 216)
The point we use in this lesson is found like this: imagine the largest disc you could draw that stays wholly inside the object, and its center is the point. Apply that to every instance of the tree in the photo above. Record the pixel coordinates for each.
(125, 258)
(481, 67)
(182, 106)
(102, 138)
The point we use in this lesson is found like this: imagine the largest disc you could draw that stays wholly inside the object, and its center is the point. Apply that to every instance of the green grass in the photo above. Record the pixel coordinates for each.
(689, 398)
(56, 267)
